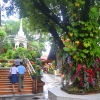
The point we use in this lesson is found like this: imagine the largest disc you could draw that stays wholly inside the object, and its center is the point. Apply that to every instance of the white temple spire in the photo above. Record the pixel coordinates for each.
(21, 29)
(20, 32)
(20, 38)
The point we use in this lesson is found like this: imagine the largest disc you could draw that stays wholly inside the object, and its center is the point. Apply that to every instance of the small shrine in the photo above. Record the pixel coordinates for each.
(20, 39)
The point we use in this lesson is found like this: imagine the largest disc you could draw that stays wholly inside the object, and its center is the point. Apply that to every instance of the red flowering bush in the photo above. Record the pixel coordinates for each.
(83, 77)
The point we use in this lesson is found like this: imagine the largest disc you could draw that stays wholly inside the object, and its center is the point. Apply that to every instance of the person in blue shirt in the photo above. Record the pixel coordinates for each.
(21, 74)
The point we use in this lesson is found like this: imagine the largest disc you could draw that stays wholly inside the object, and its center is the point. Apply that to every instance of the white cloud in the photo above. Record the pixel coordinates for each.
(15, 16)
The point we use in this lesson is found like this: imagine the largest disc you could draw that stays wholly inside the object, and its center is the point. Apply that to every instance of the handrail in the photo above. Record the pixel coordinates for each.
(29, 65)
(32, 69)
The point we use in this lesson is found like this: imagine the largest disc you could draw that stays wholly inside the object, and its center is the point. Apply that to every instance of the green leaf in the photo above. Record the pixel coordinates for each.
(74, 24)
(86, 51)
(82, 55)
(86, 34)
(66, 49)
(82, 35)
(74, 48)
(67, 43)
(75, 30)
(76, 34)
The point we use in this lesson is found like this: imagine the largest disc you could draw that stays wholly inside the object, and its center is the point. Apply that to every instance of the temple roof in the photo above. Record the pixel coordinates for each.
(49, 58)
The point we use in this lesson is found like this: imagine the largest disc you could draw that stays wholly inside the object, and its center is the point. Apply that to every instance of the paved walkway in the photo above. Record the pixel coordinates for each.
(50, 82)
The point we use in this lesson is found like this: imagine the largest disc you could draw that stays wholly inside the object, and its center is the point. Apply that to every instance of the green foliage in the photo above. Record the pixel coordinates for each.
(84, 29)
(7, 46)
(37, 70)
(38, 62)
(85, 38)
(11, 26)
(51, 70)
(3, 56)
(33, 74)
(69, 47)
(10, 53)
(2, 34)
(20, 51)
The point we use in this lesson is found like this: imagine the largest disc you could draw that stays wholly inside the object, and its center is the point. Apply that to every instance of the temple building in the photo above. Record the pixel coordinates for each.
(20, 39)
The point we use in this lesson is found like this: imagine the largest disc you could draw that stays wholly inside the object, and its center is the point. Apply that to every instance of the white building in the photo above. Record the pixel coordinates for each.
(20, 39)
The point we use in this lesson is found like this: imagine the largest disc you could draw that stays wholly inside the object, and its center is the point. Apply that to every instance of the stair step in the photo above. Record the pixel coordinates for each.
(6, 86)
(16, 88)
(9, 93)
(16, 85)
(16, 92)
(9, 85)
(6, 79)
(8, 73)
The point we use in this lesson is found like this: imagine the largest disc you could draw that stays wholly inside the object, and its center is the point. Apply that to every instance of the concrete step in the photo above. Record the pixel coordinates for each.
(6, 86)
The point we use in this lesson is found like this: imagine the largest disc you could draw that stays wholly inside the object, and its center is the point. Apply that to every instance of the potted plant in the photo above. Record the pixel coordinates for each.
(34, 75)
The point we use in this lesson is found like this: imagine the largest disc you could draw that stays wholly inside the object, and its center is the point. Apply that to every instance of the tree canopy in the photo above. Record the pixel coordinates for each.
(54, 15)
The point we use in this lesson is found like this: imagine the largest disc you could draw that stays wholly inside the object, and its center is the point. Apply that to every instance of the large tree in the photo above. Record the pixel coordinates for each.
(74, 25)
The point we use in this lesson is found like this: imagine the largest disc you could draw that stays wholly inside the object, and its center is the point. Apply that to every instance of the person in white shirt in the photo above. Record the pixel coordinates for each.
(14, 77)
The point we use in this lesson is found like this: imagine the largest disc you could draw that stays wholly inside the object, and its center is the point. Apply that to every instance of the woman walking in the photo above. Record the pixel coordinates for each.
(13, 76)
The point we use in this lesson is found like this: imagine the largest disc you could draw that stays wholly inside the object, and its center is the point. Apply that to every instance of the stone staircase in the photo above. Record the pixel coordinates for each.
(6, 87)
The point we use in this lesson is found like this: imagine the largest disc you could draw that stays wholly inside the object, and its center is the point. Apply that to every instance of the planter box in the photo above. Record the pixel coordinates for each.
(40, 84)
(40, 87)
(34, 89)
(57, 94)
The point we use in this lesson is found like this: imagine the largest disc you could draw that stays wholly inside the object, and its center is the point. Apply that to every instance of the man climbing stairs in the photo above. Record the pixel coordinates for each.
(6, 87)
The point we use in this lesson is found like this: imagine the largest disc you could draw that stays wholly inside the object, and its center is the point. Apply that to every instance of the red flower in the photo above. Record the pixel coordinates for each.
(89, 80)
(78, 68)
(90, 75)
(98, 69)
(81, 83)
(90, 72)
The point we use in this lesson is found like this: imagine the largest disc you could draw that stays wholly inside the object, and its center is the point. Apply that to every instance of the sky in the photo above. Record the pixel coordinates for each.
(3, 13)
(47, 46)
